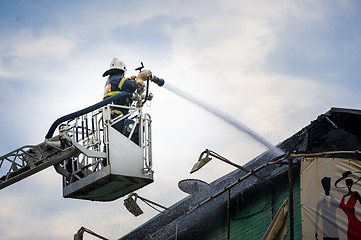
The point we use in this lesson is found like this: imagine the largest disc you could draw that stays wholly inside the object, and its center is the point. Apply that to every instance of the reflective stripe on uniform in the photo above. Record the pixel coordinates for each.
(117, 112)
(109, 94)
(121, 82)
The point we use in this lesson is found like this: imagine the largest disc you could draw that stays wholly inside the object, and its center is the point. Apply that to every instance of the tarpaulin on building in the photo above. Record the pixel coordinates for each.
(330, 198)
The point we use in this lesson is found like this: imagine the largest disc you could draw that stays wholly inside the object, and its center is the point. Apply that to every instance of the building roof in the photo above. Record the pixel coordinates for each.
(336, 130)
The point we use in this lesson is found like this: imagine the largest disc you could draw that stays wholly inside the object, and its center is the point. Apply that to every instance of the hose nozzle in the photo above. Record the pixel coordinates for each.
(159, 81)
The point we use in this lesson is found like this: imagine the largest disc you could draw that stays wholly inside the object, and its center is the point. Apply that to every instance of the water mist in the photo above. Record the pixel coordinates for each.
(225, 117)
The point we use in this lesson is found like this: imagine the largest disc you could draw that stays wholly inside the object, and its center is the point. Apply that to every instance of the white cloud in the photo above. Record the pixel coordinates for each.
(43, 47)
(3, 72)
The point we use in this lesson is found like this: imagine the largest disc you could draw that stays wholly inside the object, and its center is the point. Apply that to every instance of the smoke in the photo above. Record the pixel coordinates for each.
(225, 117)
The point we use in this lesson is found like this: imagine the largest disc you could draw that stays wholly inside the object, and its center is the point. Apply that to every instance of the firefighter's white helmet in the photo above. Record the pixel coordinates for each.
(116, 66)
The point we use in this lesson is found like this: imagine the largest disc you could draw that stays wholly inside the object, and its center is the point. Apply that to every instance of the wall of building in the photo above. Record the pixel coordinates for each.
(251, 214)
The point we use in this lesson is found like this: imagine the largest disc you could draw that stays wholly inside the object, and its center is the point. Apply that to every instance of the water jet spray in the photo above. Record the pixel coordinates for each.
(225, 117)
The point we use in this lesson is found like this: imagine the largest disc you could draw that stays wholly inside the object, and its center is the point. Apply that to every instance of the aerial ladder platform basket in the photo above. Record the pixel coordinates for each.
(97, 161)
(112, 164)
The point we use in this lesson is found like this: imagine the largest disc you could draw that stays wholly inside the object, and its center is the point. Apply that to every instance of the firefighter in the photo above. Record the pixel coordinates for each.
(116, 83)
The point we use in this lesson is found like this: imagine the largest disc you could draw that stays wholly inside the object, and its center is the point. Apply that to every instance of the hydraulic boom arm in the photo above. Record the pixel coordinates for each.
(28, 160)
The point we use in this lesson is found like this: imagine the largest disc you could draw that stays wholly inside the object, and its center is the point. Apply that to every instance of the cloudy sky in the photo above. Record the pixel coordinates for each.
(275, 66)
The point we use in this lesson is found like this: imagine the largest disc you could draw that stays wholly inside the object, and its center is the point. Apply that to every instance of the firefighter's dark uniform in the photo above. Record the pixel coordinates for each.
(115, 84)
